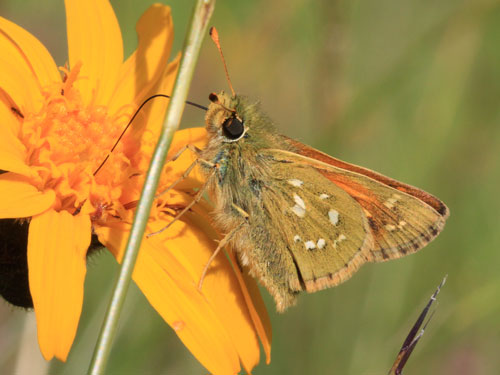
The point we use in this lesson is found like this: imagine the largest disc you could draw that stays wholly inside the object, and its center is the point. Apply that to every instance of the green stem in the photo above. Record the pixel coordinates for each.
(198, 28)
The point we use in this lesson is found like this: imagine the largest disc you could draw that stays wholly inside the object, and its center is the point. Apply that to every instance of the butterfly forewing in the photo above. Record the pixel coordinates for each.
(400, 223)
(318, 156)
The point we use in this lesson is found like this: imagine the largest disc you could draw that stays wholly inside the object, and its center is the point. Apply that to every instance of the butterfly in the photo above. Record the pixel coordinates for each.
(299, 219)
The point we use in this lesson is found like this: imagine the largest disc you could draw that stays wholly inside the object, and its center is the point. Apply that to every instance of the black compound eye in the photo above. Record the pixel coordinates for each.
(233, 128)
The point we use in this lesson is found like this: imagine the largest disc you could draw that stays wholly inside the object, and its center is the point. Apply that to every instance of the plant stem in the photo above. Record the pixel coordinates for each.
(197, 30)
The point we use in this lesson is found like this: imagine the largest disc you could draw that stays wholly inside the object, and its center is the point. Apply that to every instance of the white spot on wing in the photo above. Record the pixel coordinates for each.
(296, 238)
(321, 243)
(389, 227)
(324, 196)
(300, 207)
(333, 215)
(298, 200)
(339, 239)
(295, 182)
(299, 211)
(310, 245)
(389, 203)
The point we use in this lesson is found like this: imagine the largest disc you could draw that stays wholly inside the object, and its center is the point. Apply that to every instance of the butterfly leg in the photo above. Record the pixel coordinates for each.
(228, 237)
(195, 150)
(186, 173)
(221, 245)
(196, 199)
(184, 176)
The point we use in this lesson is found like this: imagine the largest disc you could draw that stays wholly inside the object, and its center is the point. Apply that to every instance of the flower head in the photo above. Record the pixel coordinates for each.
(58, 127)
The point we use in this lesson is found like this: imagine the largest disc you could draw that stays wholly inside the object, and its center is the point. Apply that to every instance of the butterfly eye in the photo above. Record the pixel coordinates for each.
(233, 128)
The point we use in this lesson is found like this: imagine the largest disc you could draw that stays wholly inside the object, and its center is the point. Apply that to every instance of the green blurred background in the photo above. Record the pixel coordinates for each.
(409, 88)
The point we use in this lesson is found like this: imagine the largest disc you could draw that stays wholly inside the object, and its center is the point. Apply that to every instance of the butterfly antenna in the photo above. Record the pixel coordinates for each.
(215, 37)
(133, 118)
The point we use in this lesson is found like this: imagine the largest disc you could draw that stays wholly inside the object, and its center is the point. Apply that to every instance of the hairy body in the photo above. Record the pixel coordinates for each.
(299, 219)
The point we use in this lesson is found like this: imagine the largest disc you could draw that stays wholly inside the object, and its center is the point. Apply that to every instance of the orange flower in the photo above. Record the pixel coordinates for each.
(56, 132)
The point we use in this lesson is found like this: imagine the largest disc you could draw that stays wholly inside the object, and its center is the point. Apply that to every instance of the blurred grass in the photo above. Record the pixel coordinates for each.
(408, 88)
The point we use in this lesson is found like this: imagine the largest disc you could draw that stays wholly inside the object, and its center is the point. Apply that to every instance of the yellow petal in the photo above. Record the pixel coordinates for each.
(144, 68)
(185, 310)
(174, 169)
(11, 157)
(147, 125)
(256, 307)
(35, 53)
(19, 198)
(195, 136)
(20, 86)
(94, 38)
(12, 154)
(12, 151)
(57, 246)
(215, 325)
(10, 122)
(248, 285)
(220, 286)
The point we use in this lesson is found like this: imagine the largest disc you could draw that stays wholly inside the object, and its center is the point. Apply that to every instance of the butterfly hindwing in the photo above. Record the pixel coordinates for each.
(306, 233)
(325, 229)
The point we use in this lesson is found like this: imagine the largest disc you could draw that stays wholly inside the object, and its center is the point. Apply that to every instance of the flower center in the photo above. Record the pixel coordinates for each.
(68, 139)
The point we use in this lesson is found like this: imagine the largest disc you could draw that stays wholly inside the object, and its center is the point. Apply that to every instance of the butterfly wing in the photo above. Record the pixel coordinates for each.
(300, 219)
(318, 156)
(327, 221)
(402, 219)
(305, 232)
